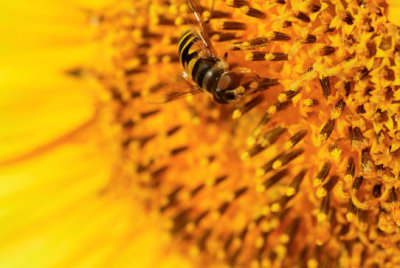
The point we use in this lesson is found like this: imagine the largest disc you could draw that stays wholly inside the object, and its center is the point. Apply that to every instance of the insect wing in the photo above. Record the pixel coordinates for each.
(171, 91)
(196, 8)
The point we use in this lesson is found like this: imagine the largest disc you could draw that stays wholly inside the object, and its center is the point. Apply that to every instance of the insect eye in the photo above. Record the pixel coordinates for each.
(228, 81)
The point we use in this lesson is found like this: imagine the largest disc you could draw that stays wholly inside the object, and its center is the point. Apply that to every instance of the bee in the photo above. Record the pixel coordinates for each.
(201, 65)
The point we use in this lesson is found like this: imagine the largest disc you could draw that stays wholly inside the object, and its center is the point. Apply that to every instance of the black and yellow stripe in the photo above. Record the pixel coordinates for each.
(203, 70)
(187, 40)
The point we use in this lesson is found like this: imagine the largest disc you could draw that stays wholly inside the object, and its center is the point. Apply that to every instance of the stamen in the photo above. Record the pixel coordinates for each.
(286, 158)
(279, 106)
(303, 17)
(377, 190)
(173, 130)
(252, 12)
(250, 44)
(296, 138)
(347, 87)
(247, 106)
(350, 171)
(310, 38)
(267, 166)
(360, 109)
(338, 109)
(265, 56)
(215, 14)
(201, 217)
(351, 211)
(262, 84)
(349, 19)
(197, 190)
(324, 209)
(277, 36)
(392, 195)
(322, 174)
(275, 178)
(327, 50)
(322, 191)
(231, 26)
(326, 131)
(178, 150)
(315, 8)
(287, 95)
(295, 184)
(236, 3)
(180, 220)
(366, 163)
(356, 136)
(271, 136)
(222, 37)
(310, 102)
(326, 87)
(220, 179)
(357, 184)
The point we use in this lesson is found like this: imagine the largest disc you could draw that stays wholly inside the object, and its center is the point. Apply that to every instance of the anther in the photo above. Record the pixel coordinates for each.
(356, 136)
(178, 150)
(222, 37)
(310, 102)
(357, 183)
(220, 179)
(250, 44)
(286, 158)
(327, 187)
(326, 87)
(366, 163)
(252, 12)
(326, 131)
(310, 38)
(247, 106)
(377, 190)
(236, 3)
(275, 178)
(338, 109)
(287, 95)
(303, 17)
(262, 84)
(392, 195)
(327, 50)
(271, 136)
(360, 109)
(322, 174)
(351, 211)
(265, 56)
(347, 87)
(232, 26)
(277, 36)
(267, 166)
(197, 190)
(349, 19)
(238, 193)
(279, 106)
(296, 138)
(173, 130)
(324, 209)
(286, 24)
(315, 8)
(295, 184)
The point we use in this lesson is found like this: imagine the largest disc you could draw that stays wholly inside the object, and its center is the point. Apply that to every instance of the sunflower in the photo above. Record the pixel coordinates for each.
(302, 170)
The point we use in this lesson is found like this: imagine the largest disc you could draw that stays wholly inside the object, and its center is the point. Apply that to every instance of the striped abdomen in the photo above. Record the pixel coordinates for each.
(204, 71)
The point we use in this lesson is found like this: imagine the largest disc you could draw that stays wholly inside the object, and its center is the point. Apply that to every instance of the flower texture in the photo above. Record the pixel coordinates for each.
(301, 171)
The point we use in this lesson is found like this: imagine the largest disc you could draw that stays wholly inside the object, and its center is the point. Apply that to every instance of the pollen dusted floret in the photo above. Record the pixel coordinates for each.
(304, 168)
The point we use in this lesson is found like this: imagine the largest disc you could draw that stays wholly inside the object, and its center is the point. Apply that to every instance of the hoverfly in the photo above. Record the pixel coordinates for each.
(202, 68)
